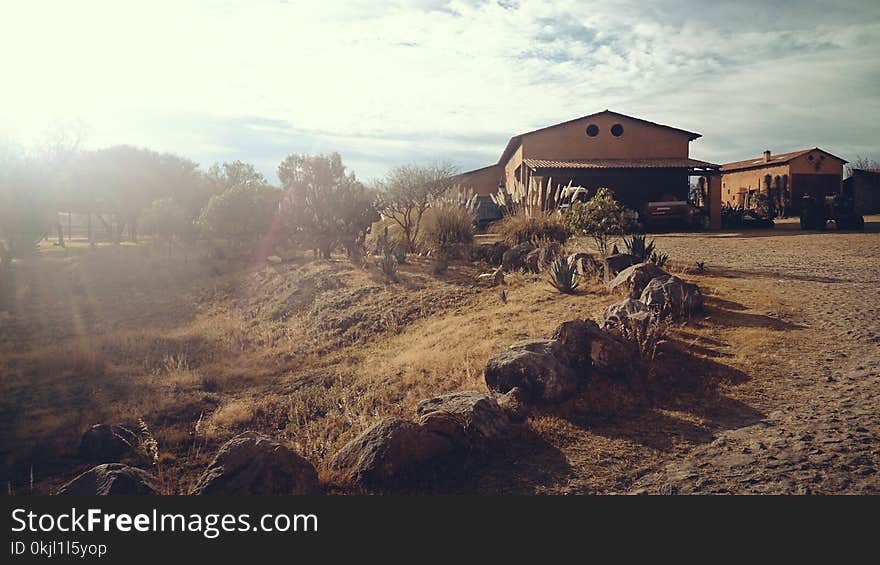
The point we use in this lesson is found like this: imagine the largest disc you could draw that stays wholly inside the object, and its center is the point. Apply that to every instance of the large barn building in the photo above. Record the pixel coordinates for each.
(863, 186)
(786, 177)
(640, 161)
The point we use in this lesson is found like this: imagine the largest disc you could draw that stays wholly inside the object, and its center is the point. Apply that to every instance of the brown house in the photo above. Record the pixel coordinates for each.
(640, 161)
(786, 178)
(863, 186)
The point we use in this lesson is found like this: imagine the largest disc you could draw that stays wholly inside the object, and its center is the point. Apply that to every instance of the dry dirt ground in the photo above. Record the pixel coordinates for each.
(821, 432)
(774, 389)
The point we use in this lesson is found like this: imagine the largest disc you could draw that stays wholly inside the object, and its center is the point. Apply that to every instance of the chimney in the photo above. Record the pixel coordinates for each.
(766, 155)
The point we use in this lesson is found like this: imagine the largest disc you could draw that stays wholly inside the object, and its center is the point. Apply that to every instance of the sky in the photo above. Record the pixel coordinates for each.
(420, 81)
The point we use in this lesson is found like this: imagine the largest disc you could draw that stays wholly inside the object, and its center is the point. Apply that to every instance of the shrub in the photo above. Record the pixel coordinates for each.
(602, 218)
(645, 330)
(447, 229)
(521, 228)
(389, 268)
(241, 215)
(563, 276)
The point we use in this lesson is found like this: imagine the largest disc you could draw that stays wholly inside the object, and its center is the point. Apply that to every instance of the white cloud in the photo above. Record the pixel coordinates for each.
(415, 80)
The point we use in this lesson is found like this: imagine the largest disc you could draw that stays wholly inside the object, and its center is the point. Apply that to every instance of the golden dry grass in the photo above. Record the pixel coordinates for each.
(314, 352)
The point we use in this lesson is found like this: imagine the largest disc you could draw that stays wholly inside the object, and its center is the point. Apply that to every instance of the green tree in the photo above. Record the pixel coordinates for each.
(167, 220)
(324, 206)
(241, 215)
(602, 218)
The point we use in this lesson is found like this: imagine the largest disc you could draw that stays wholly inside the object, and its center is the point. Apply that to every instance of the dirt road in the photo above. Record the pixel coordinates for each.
(823, 434)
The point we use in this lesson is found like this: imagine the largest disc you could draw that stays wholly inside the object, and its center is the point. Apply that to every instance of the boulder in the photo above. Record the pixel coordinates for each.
(635, 278)
(612, 356)
(476, 418)
(533, 261)
(589, 350)
(107, 443)
(671, 296)
(587, 265)
(254, 464)
(112, 479)
(572, 347)
(515, 403)
(390, 452)
(534, 367)
(619, 312)
(617, 262)
(514, 259)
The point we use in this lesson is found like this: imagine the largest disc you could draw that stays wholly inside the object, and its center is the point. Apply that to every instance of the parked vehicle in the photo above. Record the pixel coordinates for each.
(836, 208)
(570, 195)
(675, 213)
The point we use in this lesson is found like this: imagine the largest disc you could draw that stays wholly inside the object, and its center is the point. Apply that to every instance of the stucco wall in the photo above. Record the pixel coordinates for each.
(511, 165)
(482, 181)
(751, 179)
(638, 141)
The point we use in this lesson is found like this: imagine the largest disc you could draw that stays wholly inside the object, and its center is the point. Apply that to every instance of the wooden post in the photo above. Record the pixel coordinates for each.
(714, 201)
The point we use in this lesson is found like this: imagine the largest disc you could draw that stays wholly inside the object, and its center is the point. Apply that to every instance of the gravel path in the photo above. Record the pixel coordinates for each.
(824, 436)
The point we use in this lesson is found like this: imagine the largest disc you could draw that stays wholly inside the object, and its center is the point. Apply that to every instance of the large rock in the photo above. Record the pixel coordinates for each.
(612, 356)
(514, 259)
(634, 279)
(112, 479)
(573, 340)
(591, 351)
(671, 296)
(619, 313)
(389, 453)
(468, 419)
(106, 443)
(534, 367)
(515, 403)
(616, 263)
(586, 264)
(254, 464)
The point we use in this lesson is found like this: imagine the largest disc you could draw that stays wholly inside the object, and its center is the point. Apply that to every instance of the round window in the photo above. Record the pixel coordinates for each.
(592, 130)
(617, 130)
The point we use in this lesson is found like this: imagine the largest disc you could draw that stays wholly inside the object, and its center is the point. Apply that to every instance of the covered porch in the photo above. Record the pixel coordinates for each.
(635, 182)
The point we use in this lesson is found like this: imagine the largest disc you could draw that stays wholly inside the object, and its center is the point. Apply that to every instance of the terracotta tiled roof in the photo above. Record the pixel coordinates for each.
(619, 164)
(779, 159)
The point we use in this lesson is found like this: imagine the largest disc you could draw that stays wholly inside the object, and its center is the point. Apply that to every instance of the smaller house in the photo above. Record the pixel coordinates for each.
(784, 178)
(863, 186)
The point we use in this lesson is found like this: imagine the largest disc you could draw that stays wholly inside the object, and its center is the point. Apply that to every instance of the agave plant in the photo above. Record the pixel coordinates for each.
(638, 246)
(563, 276)
(659, 258)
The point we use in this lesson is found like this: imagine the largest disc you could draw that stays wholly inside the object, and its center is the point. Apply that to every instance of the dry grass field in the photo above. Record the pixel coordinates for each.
(313, 352)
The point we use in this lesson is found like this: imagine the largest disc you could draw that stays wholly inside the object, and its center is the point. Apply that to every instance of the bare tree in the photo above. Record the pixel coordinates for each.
(407, 192)
(862, 163)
